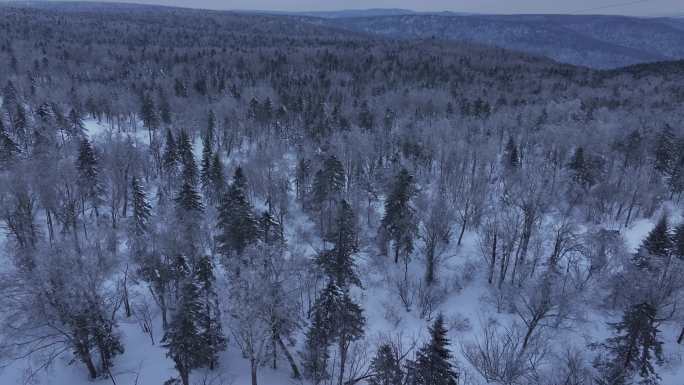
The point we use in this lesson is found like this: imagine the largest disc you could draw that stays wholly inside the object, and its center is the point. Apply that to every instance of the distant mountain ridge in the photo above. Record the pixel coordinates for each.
(353, 13)
(593, 40)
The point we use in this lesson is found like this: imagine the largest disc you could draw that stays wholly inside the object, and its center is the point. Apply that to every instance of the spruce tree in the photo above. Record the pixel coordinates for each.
(633, 349)
(141, 208)
(238, 228)
(8, 148)
(184, 338)
(366, 118)
(187, 158)
(108, 342)
(656, 247)
(316, 355)
(210, 325)
(678, 241)
(386, 367)
(512, 159)
(336, 319)
(334, 174)
(20, 125)
(328, 184)
(89, 176)
(188, 197)
(216, 179)
(164, 108)
(76, 126)
(665, 151)
(433, 364)
(349, 327)
(9, 94)
(581, 170)
(148, 113)
(206, 166)
(189, 209)
(338, 263)
(319, 190)
(399, 224)
(211, 127)
(271, 231)
(170, 156)
(302, 178)
(676, 178)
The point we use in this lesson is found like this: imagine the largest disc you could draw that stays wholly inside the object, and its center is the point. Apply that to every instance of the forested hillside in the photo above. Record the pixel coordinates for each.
(596, 41)
(200, 197)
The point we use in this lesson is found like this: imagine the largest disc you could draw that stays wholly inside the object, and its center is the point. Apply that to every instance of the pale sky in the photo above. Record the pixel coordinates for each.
(620, 7)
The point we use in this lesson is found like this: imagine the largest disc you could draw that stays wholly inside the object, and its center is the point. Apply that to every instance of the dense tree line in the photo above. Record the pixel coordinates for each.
(220, 134)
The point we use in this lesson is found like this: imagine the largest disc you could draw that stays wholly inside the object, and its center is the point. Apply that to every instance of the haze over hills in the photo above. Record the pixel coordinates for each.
(593, 40)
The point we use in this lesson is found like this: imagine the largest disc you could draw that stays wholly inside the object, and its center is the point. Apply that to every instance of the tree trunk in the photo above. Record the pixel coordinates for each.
(343, 359)
(530, 329)
(631, 207)
(492, 262)
(124, 209)
(463, 227)
(275, 350)
(290, 359)
(430, 262)
(185, 377)
(127, 302)
(253, 370)
(87, 359)
(48, 218)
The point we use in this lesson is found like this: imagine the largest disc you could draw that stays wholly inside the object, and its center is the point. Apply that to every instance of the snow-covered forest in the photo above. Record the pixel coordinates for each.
(199, 197)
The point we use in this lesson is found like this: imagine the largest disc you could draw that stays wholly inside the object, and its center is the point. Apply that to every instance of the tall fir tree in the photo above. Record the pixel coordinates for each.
(89, 177)
(8, 148)
(170, 156)
(675, 180)
(657, 246)
(216, 179)
(338, 263)
(511, 158)
(328, 184)
(210, 322)
(206, 165)
(633, 350)
(316, 354)
(434, 362)
(581, 169)
(164, 108)
(237, 225)
(665, 151)
(270, 230)
(386, 367)
(184, 339)
(76, 125)
(678, 241)
(337, 319)
(141, 208)
(148, 113)
(399, 224)
(188, 198)
(187, 158)
(211, 127)
(20, 125)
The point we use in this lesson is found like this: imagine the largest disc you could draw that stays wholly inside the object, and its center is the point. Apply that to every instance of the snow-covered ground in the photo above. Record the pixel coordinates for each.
(463, 273)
